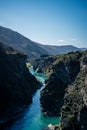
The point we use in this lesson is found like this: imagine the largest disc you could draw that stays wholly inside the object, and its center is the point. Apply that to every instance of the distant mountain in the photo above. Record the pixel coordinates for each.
(83, 49)
(54, 50)
(21, 43)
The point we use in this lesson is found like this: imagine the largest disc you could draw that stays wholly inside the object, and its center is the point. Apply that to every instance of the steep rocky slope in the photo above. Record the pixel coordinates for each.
(74, 109)
(16, 84)
(63, 72)
(65, 93)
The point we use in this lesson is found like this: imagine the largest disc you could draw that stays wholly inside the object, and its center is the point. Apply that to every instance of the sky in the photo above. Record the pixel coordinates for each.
(54, 22)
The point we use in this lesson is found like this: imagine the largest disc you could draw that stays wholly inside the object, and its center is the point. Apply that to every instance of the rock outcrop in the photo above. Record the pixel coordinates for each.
(74, 109)
(73, 113)
(17, 85)
(63, 72)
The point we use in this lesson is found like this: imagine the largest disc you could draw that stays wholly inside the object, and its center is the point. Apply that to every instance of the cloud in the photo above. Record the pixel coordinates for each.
(61, 41)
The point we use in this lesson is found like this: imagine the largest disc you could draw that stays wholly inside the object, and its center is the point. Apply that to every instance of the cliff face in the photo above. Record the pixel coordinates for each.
(16, 84)
(74, 109)
(63, 72)
(65, 93)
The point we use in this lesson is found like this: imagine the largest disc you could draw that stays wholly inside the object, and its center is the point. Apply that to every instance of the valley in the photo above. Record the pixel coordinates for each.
(42, 87)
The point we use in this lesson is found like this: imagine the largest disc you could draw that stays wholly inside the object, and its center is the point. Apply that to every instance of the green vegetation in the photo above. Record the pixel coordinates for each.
(28, 65)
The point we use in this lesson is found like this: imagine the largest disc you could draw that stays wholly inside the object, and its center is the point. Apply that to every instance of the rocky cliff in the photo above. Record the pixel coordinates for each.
(74, 109)
(65, 94)
(63, 71)
(17, 85)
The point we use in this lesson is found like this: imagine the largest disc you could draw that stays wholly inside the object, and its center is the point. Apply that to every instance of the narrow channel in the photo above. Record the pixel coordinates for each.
(33, 118)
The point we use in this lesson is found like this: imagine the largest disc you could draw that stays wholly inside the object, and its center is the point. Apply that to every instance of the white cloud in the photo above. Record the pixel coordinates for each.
(61, 41)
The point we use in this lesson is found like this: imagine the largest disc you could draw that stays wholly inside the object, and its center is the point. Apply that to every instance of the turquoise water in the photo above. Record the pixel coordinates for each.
(32, 119)
(40, 76)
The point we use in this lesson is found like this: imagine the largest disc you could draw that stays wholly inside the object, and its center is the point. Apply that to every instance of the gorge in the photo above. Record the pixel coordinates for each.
(54, 86)
(65, 93)
(32, 117)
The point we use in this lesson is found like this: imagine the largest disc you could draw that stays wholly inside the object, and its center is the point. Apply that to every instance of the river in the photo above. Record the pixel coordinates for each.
(32, 119)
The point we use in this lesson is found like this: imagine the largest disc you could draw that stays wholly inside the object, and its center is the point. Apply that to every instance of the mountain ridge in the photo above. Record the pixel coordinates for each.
(20, 42)
(32, 49)
(54, 49)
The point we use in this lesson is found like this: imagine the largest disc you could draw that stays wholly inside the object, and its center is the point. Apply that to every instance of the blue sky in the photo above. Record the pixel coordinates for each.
(57, 22)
